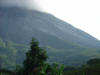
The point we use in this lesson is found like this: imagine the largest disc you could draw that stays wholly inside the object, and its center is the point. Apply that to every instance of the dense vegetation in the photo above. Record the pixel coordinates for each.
(35, 64)
(12, 54)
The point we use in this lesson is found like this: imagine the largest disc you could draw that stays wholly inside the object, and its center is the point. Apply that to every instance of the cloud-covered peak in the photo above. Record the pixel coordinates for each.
(31, 4)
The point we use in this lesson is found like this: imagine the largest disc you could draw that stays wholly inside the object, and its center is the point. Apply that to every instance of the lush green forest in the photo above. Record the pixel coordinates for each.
(12, 54)
(35, 63)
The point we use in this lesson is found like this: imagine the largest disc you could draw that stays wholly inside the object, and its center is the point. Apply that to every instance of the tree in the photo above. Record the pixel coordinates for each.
(93, 61)
(0, 62)
(35, 57)
(93, 67)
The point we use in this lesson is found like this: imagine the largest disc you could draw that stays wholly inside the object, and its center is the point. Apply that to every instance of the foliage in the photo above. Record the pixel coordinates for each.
(91, 68)
(93, 61)
(14, 53)
(11, 54)
(35, 63)
(57, 70)
(35, 57)
(44, 69)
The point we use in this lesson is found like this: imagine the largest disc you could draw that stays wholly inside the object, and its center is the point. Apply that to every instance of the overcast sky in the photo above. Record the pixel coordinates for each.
(32, 4)
(83, 14)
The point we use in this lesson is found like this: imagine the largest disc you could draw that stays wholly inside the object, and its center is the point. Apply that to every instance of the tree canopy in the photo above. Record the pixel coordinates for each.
(35, 57)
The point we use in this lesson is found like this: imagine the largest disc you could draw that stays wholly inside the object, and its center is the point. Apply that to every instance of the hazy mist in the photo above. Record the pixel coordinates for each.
(31, 4)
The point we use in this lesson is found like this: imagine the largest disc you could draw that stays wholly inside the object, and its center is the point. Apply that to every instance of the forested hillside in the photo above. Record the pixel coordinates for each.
(63, 42)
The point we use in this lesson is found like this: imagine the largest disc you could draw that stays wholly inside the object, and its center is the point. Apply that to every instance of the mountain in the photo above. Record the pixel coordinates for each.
(61, 39)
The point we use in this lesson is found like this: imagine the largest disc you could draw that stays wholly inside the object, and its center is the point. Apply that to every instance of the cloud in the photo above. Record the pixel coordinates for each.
(31, 4)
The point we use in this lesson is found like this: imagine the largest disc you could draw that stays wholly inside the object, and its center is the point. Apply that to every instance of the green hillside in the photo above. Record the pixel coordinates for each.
(63, 42)
(12, 54)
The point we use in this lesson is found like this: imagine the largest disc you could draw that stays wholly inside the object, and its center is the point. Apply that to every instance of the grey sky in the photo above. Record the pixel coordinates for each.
(22, 3)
